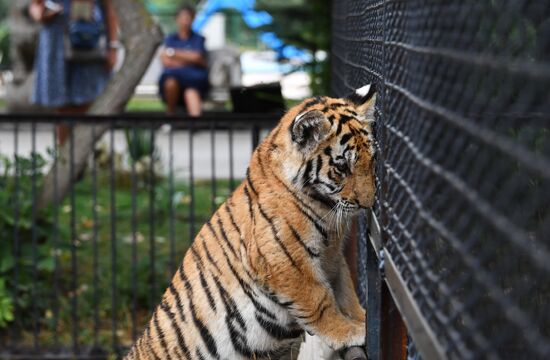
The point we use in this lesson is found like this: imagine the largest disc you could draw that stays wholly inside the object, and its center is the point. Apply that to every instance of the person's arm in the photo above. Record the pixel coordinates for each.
(111, 21)
(179, 57)
(39, 13)
(172, 58)
(190, 57)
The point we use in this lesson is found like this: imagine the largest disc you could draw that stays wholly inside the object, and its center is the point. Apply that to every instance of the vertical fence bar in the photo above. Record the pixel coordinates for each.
(16, 326)
(231, 175)
(191, 184)
(373, 303)
(255, 136)
(393, 333)
(35, 329)
(213, 164)
(95, 264)
(152, 248)
(112, 185)
(55, 300)
(74, 244)
(133, 151)
(171, 230)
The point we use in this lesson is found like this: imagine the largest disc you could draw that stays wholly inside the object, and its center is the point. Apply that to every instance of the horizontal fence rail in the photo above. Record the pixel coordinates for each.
(463, 205)
(81, 271)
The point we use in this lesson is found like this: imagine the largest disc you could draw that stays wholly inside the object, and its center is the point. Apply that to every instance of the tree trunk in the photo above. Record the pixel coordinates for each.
(140, 37)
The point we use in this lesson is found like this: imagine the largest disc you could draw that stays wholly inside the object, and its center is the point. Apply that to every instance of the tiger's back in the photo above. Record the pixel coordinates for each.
(268, 264)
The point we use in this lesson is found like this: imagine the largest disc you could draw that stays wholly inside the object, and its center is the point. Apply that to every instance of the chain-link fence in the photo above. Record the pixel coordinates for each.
(463, 165)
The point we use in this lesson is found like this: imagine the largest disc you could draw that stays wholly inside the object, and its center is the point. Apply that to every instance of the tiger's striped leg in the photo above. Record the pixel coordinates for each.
(322, 316)
(344, 290)
(314, 305)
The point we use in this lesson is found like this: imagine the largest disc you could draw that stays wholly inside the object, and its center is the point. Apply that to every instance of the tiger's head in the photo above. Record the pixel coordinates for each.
(330, 150)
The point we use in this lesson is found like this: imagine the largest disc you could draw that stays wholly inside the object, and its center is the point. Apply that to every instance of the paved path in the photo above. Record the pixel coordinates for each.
(202, 154)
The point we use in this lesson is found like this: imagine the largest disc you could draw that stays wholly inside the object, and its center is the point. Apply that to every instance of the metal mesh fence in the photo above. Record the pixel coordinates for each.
(80, 275)
(464, 160)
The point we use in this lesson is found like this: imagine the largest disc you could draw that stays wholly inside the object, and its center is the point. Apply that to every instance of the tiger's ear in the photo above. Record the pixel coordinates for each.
(364, 99)
(309, 128)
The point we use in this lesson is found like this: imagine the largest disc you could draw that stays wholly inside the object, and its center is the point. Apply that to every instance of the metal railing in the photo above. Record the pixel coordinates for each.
(463, 206)
(81, 272)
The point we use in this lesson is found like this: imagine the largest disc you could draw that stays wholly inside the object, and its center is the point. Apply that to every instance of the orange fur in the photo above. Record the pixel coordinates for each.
(269, 263)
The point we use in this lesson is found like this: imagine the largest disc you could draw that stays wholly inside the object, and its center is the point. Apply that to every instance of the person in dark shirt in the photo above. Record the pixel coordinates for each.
(185, 78)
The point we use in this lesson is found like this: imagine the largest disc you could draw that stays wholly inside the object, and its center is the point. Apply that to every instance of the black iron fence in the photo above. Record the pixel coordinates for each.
(463, 120)
(83, 262)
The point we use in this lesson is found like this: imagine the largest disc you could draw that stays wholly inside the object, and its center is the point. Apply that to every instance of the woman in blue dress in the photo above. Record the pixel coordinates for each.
(70, 86)
(184, 79)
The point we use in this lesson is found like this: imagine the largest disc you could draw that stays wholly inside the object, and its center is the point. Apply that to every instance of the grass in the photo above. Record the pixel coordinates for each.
(140, 104)
(114, 255)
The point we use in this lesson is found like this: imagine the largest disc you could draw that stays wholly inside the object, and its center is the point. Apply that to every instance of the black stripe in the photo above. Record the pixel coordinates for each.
(204, 283)
(277, 238)
(224, 235)
(179, 304)
(345, 138)
(213, 231)
(259, 158)
(205, 334)
(199, 354)
(179, 335)
(148, 343)
(246, 287)
(318, 309)
(319, 166)
(249, 201)
(137, 348)
(273, 136)
(335, 106)
(248, 178)
(300, 201)
(238, 339)
(314, 101)
(203, 330)
(230, 305)
(228, 209)
(312, 253)
(276, 330)
(301, 205)
(319, 315)
(307, 171)
(339, 128)
(185, 281)
(344, 118)
(208, 256)
(160, 334)
(315, 195)
(331, 187)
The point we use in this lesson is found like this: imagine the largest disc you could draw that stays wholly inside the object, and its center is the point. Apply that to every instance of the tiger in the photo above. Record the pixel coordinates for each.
(269, 265)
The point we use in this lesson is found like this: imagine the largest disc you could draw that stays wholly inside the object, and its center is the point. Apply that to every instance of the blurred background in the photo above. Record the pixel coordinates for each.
(282, 42)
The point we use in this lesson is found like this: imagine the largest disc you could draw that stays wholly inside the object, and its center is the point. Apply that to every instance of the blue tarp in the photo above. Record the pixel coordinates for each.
(254, 19)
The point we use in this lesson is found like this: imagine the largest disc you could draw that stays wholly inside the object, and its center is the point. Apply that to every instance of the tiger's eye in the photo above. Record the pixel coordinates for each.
(342, 167)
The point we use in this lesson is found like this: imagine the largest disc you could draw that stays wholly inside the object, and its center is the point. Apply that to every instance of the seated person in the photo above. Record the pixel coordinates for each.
(184, 80)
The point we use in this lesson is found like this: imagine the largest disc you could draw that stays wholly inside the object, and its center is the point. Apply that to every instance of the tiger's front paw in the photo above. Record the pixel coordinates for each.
(353, 335)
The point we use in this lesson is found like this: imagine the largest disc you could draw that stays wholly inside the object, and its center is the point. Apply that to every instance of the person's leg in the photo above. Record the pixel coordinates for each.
(172, 94)
(193, 102)
(62, 130)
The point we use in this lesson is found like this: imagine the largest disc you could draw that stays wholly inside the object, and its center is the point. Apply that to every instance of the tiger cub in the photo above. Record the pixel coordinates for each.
(269, 264)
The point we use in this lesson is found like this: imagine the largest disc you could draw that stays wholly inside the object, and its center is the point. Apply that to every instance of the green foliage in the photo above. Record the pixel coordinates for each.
(31, 292)
(6, 305)
(4, 35)
(16, 220)
(306, 25)
(140, 144)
